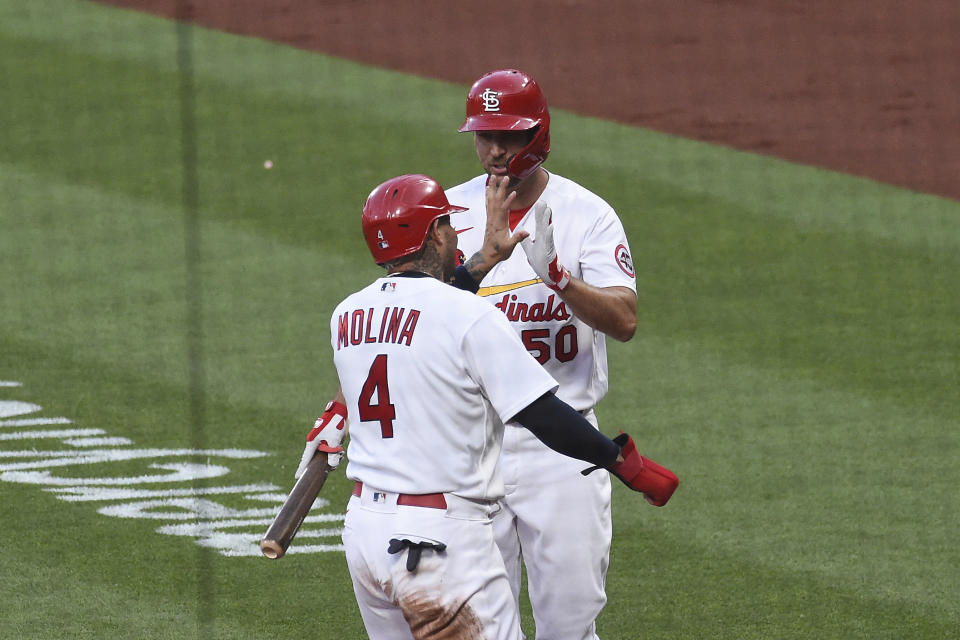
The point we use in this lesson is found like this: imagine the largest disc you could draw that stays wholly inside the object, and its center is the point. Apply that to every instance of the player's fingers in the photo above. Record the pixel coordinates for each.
(305, 459)
(542, 214)
(497, 188)
(496, 184)
(509, 200)
(493, 195)
(527, 245)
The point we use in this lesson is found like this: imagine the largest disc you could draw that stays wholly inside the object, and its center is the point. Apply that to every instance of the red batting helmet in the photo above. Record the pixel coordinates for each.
(398, 214)
(510, 100)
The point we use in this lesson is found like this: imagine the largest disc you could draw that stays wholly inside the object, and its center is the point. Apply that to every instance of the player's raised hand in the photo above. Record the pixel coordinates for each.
(541, 251)
(326, 435)
(498, 242)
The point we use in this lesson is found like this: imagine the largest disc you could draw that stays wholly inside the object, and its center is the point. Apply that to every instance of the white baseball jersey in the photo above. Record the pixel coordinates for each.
(554, 520)
(429, 373)
(591, 244)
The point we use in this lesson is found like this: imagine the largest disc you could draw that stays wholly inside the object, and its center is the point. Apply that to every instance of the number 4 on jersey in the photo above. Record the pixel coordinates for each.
(382, 412)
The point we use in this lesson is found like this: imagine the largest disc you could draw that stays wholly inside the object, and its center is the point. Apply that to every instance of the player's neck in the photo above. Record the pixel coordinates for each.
(413, 270)
(426, 263)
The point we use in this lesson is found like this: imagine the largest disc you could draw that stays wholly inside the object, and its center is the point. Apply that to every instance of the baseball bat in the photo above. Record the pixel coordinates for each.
(295, 508)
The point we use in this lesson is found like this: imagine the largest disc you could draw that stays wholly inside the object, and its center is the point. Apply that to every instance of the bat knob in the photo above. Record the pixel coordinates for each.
(271, 549)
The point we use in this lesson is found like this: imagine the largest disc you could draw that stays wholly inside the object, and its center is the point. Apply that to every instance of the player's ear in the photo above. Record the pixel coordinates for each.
(436, 229)
(433, 232)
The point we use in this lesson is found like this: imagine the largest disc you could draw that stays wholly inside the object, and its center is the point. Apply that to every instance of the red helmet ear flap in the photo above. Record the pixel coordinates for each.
(531, 156)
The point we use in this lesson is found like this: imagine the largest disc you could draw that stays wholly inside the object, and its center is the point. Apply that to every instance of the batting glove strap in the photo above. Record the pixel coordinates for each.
(335, 416)
(326, 435)
(559, 276)
(655, 482)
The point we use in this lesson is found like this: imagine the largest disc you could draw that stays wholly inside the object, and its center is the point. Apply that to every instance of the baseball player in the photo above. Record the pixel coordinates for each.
(429, 374)
(571, 286)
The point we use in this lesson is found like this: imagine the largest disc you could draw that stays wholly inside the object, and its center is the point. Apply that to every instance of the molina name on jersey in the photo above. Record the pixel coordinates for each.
(424, 372)
(357, 327)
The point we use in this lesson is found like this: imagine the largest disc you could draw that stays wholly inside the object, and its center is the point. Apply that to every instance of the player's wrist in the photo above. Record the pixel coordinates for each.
(480, 264)
(654, 481)
(464, 280)
(560, 278)
(489, 257)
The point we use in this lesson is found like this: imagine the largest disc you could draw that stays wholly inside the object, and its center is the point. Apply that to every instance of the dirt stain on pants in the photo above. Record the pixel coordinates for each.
(431, 620)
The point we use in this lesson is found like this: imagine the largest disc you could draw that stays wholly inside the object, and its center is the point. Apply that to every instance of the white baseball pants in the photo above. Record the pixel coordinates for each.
(462, 592)
(557, 523)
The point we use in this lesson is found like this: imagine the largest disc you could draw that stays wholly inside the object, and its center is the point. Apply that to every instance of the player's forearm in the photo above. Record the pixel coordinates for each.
(612, 310)
(476, 268)
(563, 429)
(480, 264)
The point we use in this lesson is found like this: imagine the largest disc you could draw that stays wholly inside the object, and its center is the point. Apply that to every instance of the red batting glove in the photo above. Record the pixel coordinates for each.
(326, 435)
(655, 482)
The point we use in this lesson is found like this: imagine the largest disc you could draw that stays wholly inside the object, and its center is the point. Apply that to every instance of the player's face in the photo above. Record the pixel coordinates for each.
(497, 148)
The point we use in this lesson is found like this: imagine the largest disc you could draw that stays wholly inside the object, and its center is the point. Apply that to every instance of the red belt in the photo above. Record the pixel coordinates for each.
(429, 500)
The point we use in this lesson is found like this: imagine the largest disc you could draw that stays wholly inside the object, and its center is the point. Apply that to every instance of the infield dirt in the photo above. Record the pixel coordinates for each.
(867, 87)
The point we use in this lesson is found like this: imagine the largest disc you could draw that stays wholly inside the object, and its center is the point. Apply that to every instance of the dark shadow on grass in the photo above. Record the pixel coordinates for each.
(194, 288)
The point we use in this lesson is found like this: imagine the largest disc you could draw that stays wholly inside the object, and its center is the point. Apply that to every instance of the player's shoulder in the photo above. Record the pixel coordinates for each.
(471, 195)
(465, 305)
(466, 190)
(453, 311)
(563, 188)
(465, 301)
(426, 291)
(416, 285)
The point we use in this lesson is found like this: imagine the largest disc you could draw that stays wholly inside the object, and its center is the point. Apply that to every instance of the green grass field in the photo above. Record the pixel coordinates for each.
(796, 361)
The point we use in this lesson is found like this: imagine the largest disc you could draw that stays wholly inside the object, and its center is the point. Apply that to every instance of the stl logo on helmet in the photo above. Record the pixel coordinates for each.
(491, 100)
